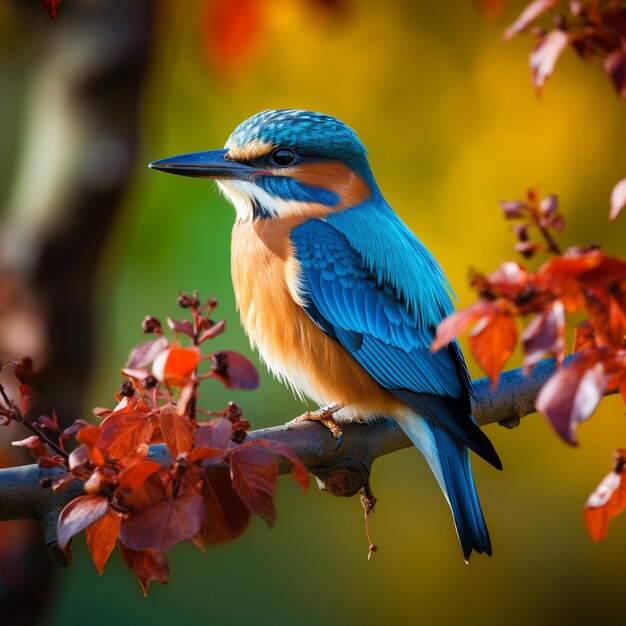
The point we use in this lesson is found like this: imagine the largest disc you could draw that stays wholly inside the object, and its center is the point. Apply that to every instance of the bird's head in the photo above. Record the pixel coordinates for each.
(284, 163)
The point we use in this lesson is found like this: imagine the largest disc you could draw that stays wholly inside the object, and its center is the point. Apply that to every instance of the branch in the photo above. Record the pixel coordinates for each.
(341, 471)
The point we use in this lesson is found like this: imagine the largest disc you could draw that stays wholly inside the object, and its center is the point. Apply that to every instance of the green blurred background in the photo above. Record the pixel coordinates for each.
(452, 125)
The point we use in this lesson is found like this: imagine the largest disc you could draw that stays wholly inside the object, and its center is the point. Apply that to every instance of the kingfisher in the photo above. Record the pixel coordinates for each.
(339, 296)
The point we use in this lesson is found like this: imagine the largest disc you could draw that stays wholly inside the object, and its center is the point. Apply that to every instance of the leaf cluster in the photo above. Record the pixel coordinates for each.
(216, 478)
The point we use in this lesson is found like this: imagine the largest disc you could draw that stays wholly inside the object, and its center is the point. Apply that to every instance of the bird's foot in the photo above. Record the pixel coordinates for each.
(324, 415)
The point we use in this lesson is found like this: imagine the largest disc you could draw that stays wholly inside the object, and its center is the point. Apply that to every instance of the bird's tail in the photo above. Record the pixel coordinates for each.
(449, 461)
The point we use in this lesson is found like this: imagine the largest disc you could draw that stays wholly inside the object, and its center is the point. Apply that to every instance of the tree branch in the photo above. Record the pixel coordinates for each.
(341, 471)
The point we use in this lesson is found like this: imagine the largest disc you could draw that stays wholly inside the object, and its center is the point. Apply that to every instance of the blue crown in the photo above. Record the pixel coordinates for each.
(306, 132)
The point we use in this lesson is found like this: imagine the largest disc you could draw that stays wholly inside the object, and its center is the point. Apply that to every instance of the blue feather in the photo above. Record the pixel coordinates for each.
(450, 463)
(361, 309)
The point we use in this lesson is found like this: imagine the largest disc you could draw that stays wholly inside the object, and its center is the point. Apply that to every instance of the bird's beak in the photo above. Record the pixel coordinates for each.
(210, 164)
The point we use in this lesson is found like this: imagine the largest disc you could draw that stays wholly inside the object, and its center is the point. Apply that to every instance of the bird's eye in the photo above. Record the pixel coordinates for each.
(283, 157)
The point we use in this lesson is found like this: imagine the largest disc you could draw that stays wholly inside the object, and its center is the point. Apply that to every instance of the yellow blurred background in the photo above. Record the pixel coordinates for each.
(452, 125)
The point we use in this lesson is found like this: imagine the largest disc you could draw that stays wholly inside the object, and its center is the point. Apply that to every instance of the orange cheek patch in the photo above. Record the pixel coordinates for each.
(334, 176)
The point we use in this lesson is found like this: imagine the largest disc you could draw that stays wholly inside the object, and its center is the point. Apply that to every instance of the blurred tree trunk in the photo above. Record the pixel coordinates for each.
(75, 151)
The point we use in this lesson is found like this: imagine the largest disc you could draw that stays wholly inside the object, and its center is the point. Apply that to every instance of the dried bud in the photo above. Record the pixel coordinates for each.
(549, 205)
(232, 412)
(513, 209)
(127, 389)
(183, 301)
(521, 231)
(526, 248)
(24, 370)
(220, 363)
(151, 325)
(149, 382)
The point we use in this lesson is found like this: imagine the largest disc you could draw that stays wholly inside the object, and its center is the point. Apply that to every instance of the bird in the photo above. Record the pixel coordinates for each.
(339, 296)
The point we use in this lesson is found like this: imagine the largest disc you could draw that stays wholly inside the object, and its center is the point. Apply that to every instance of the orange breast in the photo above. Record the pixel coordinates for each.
(265, 279)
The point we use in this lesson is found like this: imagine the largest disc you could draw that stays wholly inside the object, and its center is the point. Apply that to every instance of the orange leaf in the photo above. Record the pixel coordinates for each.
(78, 515)
(176, 431)
(457, 323)
(492, 342)
(122, 432)
(101, 538)
(131, 478)
(607, 501)
(583, 336)
(227, 517)
(166, 524)
(175, 366)
(89, 436)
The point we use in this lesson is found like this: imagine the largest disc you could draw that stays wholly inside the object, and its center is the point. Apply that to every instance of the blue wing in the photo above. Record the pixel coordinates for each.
(386, 326)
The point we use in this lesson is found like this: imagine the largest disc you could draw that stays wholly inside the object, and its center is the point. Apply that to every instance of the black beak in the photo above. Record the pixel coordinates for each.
(210, 164)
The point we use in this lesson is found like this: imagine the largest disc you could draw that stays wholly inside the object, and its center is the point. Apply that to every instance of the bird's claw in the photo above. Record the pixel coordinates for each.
(324, 416)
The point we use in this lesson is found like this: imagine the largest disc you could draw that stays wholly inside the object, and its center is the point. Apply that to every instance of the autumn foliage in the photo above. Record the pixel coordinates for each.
(214, 478)
(580, 281)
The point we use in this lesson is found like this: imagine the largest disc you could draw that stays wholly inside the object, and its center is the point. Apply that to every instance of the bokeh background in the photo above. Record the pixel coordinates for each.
(92, 241)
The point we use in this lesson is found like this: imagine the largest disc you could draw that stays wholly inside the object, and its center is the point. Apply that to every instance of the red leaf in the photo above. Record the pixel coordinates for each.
(176, 431)
(608, 313)
(572, 394)
(299, 471)
(234, 370)
(175, 366)
(35, 446)
(166, 524)
(131, 478)
(457, 323)
(528, 15)
(254, 473)
(607, 501)
(615, 67)
(147, 495)
(214, 434)
(209, 455)
(124, 431)
(213, 331)
(509, 280)
(545, 335)
(148, 565)
(101, 538)
(618, 196)
(492, 342)
(146, 352)
(181, 326)
(545, 55)
(227, 517)
(78, 515)
(51, 7)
